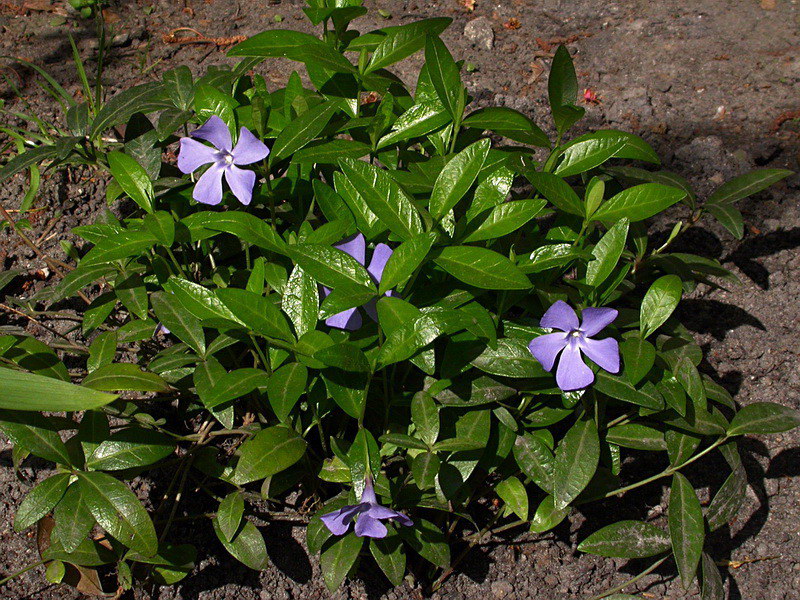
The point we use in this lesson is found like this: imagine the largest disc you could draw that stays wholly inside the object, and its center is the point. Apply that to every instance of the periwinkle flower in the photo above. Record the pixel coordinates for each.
(223, 158)
(368, 514)
(356, 246)
(572, 339)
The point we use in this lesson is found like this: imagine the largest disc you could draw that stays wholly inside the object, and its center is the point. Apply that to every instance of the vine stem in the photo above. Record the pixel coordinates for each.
(72, 344)
(669, 471)
(5, 580)
(632, 580)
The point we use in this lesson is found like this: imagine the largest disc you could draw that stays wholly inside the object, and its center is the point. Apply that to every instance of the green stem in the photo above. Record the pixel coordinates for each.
(632, 580)
(667, 472)
(175, 261)
(21, 572)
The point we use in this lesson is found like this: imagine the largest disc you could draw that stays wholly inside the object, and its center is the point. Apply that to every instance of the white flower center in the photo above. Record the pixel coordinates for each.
(576, 333)
(228, 157)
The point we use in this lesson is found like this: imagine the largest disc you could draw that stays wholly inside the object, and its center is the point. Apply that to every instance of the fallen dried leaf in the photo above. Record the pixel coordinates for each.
(769, 4)
(469, 5)
(173, 38)
(512, 24)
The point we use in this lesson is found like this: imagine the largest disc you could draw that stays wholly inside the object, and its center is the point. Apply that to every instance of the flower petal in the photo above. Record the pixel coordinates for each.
(368, 493)
(208, 189)
(193, 154)
(338, 521)
(546, 347)
(572, 373)
(560, 316)
(355, 246)
(249, 148)
(380, 256)
(366, 526)
(215, 131)
(349, 319)
(604, 352)
(241, 182)
(594, 320)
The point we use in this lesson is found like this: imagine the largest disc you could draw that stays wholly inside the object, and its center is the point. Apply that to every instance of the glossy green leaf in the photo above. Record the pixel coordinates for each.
(247, 546)
(40, 500)
(119, 512)
(686, 528)
(300, 301)
(284, 388)
(123, 245)
(626, 539)
(132, 178)
(457, 177)
(638, 357)
(712, 586)
(427, 540)
(576, 461)
(229, 515)
(129, 448)
(557, 191)
(124, 376)
(764, 418)
(508, 123)
(511, 358)
(269, 452)
(390, 555)
(513, 493)
(503, 219)
(639, 202)
(425, 468)
(445, 77)
(274, 43)
(31, 392)
(144, 98)
(338, 557)
(73, 519)
(482, 268)
(258, 313)
(637, 436)
(747, 185)
(659, 303)
(403, 41)
(235, 384)
(729, 217)
(536, 460)
(607, 253)
(35, 433)
(547, 516)
(331, 266)
(405, 259)
(302, 130)
(243, 225)
(180, 322)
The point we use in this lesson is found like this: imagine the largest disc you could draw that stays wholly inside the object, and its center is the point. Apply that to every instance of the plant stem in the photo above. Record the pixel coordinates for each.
(21, 571)
(632, 580)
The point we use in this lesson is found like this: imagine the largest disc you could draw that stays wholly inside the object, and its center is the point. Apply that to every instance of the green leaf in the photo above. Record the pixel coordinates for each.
(338, 557)
(390, 555)
(132, 178)
(129, 448)
(557, 191)
(40, 500)
(659, 302)
(247, 547)
(712, 587)
(35, 433)
(562, 85)
(235, 384)
(725, 505)
(546, 516)
(576, 461)
(639, 202)
(270, 451)
(764, 418)
(729, 216)
(686, 528)
(123, 245)
(513, 493)
(427, 540)
(330, 151)
(179, 321)
(482, 268)
(124, 376)
(607, 253)
(403, 441)
(243, 225)
(508, 123)
(535, 459)
(587, 154)
(210, 101)
(403, 41)
(284, 388)
(300, 301)
(511, 358)
(180, 86)
(323, 55)
(73, 519)
(331, 266)
(119, 512)
(409, 338)
(445, 77)
(144, 98)
(384, 197)
(31, 392)
(131, 291)
(638, 356)
(302, 130)
(425, 416)
(162, 226)
(229, 515)
(405, 259)
(275, 43)
(619, 388)
(457, 177)
(258, 313)
(747, 185)
(425, 468)
(637, 436)
(198, 300)
(626, 539)
(503, 219)
(417, 121)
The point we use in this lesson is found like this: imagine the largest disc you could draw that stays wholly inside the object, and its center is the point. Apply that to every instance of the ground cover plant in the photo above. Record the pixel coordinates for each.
(395, 339)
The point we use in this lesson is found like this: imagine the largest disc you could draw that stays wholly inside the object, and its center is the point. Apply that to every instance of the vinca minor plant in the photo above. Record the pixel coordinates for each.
(379, 307)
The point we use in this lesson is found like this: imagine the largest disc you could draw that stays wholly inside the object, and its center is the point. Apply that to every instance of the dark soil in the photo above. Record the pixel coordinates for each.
(704, 82)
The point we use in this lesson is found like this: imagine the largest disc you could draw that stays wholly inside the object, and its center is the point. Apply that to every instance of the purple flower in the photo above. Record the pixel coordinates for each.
(223, 158)
(356, 247)
(369, 513)
(161, 330)
(574, 338)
